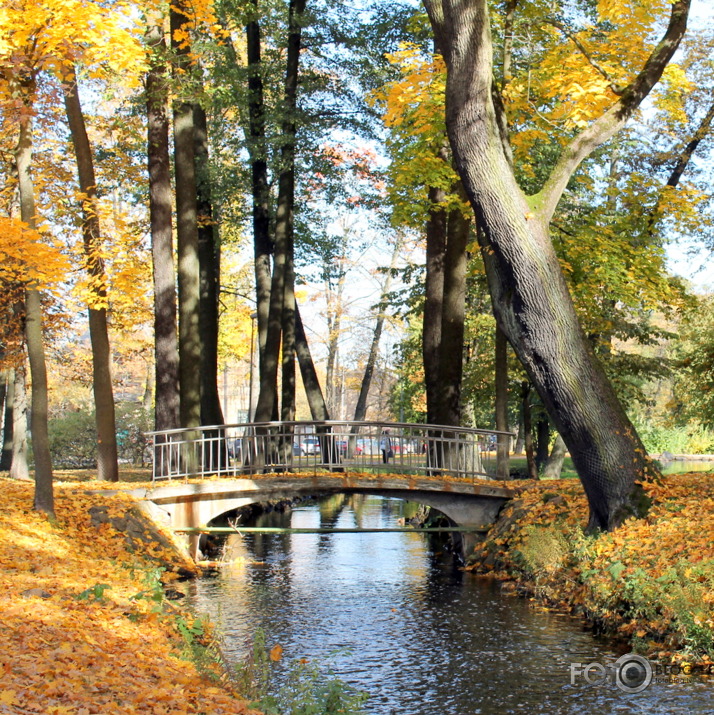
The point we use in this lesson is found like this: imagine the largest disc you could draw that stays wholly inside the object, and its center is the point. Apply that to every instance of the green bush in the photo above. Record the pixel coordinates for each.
(692, 439)
(73, 437)
(306, 691)
(542, 550)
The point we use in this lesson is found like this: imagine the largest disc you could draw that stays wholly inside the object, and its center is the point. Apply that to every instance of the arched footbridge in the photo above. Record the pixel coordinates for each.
(441, 467)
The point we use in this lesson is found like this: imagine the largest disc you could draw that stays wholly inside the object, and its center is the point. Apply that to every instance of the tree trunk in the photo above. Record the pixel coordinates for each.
(542, 442)
(315, 398)
(187, 233)
(501, 379)
(44, 494)
(453, 313)
(520, 438)
(528, 291)
(7, 433)
(554, 465)
(18, 464)
(436, 228)
(209, 257)
(167, 404)
(107, 458)
(531, 468)
(287, 406)
(262, 243)
(335, 309)
(361, 406)
(282, 313)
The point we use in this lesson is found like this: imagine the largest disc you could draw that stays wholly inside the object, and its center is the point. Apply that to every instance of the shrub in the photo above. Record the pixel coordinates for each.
(73, 436)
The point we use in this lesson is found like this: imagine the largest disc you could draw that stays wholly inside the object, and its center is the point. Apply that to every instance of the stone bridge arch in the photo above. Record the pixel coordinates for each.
(186, 505)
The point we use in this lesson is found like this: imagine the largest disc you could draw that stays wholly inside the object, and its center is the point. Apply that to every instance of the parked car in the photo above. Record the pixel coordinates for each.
(310, 445)
(342, 447)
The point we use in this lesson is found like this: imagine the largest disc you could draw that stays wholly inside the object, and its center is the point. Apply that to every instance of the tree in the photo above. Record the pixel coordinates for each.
(167, 400)
(107, 458)
(189, 281)
(530, 298)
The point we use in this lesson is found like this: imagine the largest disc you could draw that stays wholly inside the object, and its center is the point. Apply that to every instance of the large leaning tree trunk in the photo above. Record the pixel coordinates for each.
(529, 294)
(166, 402)
(44, 493)
(107, 458)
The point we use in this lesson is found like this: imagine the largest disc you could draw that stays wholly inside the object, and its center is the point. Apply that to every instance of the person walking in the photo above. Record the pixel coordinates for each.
(385, 444)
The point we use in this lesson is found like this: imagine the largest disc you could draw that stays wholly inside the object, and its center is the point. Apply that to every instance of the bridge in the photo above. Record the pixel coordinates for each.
(443, 467)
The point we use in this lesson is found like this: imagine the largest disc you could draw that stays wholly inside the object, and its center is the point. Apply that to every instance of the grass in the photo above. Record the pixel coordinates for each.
(650, 581)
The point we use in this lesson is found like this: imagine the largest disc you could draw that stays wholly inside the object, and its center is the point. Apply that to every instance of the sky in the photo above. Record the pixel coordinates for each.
(695, 264)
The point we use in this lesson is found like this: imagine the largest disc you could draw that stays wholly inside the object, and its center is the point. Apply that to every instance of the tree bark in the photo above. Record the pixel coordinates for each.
(529, 295)
(187, 233)
(44, 493)
(501, 406)
(209, 257)
(8, 380)
(531, 468)
(554, 465)
(167, 401)
(315, 398)
(18, 463)
(453, 313)
(335, 309)
(436, 228)
(262, 243)
(107, 458)
(542, 442)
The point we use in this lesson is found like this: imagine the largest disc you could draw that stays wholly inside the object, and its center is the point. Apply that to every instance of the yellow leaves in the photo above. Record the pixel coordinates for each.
(663, 565)
(80, 656)
(26, 258)
(46, 35)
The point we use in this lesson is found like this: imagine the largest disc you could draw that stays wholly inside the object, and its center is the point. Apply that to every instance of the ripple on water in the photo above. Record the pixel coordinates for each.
(397, 620)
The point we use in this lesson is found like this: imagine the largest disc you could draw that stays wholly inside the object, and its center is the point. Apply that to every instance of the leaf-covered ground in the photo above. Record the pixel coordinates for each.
(651, 581)
(83, 626)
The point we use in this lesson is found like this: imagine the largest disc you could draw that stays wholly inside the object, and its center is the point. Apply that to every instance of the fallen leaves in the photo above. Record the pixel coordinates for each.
(72, 636)
(651, 580)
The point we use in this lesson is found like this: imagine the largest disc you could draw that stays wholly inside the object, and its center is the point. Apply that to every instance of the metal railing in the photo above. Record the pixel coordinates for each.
(336, 446)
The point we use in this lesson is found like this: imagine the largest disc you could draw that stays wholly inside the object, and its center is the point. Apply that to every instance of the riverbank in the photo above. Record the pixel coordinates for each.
(85, 624)
(650, 582)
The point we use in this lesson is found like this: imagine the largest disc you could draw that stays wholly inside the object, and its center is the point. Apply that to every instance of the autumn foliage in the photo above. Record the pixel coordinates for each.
(651, 581)
(83, 629)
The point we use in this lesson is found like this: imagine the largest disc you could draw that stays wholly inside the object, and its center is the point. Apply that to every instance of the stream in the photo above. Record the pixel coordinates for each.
(391, 614)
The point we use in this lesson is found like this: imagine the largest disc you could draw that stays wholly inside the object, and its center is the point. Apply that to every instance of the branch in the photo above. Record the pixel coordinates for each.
(609, 123)
(686, 154)
(614, 86)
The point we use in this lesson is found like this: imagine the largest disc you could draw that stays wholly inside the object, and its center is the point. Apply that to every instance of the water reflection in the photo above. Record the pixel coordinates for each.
(402, 623)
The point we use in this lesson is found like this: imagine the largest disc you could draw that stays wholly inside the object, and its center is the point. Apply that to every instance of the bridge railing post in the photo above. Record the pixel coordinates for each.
(320, 445)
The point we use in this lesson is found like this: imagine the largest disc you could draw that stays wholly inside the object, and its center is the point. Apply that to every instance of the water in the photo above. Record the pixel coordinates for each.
(395, 617)
(677, 466)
